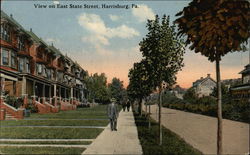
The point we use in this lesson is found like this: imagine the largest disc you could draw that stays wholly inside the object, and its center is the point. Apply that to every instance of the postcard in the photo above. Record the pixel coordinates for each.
(124, 77)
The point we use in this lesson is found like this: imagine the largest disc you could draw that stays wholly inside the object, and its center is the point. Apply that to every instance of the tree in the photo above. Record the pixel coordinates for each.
(139, 83)
(97, 88)
(190, 96)
(117, 89)
(215, 28)
(163, 52)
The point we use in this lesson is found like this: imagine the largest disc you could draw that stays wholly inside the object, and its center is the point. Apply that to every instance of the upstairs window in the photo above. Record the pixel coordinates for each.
(13, 59)
(20, 42)
(27, 66)
(5, 32)
(39, 69)
(21, 64)
(5, 57)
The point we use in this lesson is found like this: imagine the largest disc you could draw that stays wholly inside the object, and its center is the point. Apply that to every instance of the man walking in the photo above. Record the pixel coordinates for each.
(113, 114)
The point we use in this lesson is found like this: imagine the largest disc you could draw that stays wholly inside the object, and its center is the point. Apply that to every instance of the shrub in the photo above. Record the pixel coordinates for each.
(14, 101)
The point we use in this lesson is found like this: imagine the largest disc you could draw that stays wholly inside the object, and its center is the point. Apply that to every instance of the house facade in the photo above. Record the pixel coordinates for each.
(204, 86)
(242, 91)
(33, 70)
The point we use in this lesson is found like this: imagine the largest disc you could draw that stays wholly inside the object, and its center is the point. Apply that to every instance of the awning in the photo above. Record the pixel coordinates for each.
(8, 77)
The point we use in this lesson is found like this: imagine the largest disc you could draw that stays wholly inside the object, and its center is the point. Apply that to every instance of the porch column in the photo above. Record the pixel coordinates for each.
(43, 94)
(55, 96)
(34, 92)
(24, 85)
(2, 91)
(60, 96)
(65, 93)
(71, 95)
(24, 91)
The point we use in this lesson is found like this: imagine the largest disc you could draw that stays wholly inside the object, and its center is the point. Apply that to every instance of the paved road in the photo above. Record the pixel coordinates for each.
(201, 131)
(123, 141)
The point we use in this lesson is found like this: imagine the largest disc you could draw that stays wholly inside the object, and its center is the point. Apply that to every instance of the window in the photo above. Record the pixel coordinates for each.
(45, 70)
(39, 69)
(5, 57)
(13, 60)
(5, 32)
(27, 66)
(20, 42)
(21, 64)
(52, 74)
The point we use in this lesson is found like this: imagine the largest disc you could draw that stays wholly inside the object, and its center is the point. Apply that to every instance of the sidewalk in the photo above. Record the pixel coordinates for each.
(123, 141)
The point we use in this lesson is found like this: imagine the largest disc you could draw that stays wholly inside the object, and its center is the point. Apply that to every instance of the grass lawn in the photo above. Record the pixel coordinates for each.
(48, 142)
(39, 150)
(49, 133)
(99, 111)
(55, 122)
(172, 143)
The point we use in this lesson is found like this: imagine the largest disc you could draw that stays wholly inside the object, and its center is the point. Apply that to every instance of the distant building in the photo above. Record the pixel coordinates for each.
(242, 92)
(204, 86)
(178, 91)
(231, 82)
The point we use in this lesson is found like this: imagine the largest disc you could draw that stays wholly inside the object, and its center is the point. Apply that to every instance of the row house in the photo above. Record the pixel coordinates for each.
(32, 69)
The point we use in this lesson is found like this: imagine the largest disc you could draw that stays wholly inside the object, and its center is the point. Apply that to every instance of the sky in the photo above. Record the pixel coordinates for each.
(106, 40)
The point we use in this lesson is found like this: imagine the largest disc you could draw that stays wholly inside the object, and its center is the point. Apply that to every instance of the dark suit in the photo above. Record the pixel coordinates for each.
(113, 115)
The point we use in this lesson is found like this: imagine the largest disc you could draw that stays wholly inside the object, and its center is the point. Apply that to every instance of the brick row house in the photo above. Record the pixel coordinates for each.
(36, 72)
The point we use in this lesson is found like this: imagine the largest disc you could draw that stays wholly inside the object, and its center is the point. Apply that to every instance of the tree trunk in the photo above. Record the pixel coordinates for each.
(149, 123)
(140, 107)
(219, 109)
(160, 126)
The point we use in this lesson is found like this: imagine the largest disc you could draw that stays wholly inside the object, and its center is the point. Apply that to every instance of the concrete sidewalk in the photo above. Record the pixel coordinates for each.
(123, 141)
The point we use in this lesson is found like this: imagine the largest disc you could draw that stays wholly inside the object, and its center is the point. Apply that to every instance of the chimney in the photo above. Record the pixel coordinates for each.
(30, 29)
(208, 75)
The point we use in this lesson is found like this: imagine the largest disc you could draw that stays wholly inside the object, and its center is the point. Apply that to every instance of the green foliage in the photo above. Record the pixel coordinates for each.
(169, 98)
(215, 27)
(40, 150)
(163, 52)
(190, 96)
(97, 88)
(139, 83)
(117, 89)
(172, 143)
(14, 101)
(234, 110)
(226, 96)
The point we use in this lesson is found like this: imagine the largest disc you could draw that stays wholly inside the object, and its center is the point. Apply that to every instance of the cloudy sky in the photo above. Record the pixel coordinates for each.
(106, 40)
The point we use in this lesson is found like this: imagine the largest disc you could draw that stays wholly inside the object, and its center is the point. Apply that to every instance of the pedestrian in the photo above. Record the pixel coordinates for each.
(123, 105)
(113, 114)
(128, 105)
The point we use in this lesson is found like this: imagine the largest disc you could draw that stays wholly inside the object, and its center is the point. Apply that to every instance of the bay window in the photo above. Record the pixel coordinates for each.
(5, 57)
(21, 65)
(13, 59)
(27, 66)
(20, 41)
